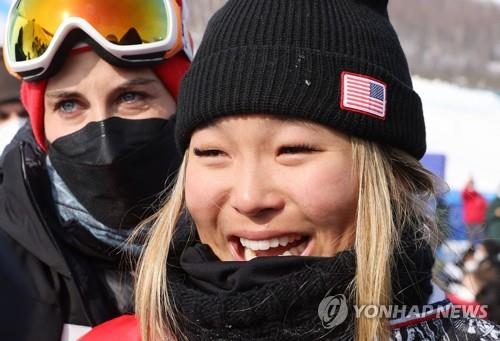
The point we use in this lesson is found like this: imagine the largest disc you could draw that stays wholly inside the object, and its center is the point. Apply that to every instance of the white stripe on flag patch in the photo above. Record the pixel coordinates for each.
(363, 94)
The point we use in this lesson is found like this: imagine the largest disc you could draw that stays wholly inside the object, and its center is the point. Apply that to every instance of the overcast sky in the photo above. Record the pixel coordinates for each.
(4, 8)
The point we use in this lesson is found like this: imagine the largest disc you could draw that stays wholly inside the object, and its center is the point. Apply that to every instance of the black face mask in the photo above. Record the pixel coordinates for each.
(117, 167)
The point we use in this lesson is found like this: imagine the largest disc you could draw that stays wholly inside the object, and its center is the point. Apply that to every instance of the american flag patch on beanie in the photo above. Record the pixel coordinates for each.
(363, 94)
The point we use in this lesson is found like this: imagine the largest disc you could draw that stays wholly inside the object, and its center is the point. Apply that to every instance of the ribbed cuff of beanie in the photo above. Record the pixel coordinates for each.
(295, 82)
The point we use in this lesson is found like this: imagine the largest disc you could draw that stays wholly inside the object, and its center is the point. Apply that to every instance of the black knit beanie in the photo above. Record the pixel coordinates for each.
(334, 62)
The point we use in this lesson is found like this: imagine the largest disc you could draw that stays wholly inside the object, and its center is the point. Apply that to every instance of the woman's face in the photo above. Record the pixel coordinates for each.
(88, 89)
(260, 186)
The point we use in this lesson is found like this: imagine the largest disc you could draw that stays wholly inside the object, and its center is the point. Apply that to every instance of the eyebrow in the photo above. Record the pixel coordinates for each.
(58, 94)
(61, 94)
(136, 82)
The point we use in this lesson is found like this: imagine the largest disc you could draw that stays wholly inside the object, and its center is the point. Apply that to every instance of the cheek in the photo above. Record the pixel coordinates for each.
(203, 192)
(169, 105)
(193, 188)
(162, 107)
(328, 195)
(53, 127)
(49, 134)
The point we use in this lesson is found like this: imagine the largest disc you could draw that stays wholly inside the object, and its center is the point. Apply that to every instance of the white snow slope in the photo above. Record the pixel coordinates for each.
(463, 124)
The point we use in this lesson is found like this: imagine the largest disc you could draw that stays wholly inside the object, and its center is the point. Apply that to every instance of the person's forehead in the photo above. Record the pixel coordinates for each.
(262, 118)
(88, 67)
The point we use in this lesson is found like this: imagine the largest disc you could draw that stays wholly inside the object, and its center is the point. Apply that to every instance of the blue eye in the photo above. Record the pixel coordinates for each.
(68, 106)
(130, 97)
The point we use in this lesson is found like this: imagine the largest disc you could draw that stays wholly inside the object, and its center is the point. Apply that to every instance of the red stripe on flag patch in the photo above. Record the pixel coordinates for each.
(363, 94)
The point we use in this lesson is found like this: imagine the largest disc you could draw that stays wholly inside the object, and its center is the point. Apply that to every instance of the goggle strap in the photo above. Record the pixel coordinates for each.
(7, 66)
(178, 43)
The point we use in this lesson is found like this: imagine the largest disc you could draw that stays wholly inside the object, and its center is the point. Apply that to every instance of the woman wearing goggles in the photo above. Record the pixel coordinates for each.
(100, 84)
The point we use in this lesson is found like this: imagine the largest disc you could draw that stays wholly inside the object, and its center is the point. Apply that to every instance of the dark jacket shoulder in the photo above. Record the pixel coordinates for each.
(31, 269)
(44, 283)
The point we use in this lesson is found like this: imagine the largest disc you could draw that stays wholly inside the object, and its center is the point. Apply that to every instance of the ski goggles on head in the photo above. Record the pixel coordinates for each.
(124, 32)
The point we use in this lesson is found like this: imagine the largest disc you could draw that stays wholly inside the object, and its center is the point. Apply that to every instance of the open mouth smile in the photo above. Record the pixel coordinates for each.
(292, 244)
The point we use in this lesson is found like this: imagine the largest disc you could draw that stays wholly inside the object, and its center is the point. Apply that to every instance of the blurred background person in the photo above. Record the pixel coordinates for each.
(475, 279)
(12, 113)
(486, 278)
(488, 274)
(493, 218)
(474, 212)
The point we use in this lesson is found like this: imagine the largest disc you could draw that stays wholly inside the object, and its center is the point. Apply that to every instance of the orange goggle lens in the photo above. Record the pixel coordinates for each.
(33, 23)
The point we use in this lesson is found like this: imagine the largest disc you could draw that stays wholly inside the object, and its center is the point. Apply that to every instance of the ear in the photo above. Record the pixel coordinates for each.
(378, 5)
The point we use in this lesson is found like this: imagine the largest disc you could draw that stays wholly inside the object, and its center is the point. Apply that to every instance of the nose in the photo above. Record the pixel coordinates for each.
(256, 193)
(100, 112)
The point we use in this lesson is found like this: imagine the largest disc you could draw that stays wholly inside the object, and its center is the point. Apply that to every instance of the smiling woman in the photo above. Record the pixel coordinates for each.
(300, 194)
(260, 186)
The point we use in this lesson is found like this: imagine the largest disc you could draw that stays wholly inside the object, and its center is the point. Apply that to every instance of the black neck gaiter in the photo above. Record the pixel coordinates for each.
(117, 167)
(277, 298)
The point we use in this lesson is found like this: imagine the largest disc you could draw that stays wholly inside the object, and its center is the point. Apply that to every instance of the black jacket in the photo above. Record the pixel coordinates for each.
(44, 282)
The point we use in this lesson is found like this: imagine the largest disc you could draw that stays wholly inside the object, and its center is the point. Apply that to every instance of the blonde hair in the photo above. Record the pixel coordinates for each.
(394, 191)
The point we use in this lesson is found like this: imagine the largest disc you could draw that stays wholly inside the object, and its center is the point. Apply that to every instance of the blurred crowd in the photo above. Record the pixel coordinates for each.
(473, 278)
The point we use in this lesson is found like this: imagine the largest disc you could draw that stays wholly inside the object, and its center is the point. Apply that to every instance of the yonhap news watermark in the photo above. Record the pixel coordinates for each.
(333, 311)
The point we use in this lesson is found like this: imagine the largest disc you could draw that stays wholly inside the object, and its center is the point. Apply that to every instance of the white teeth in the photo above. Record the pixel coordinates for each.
(251, 246)
(249, 254)
(258, 245)
(263, 245)
(275, 242)
(244, 242)
(284, 241)
(294, 251)
(301, 248)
